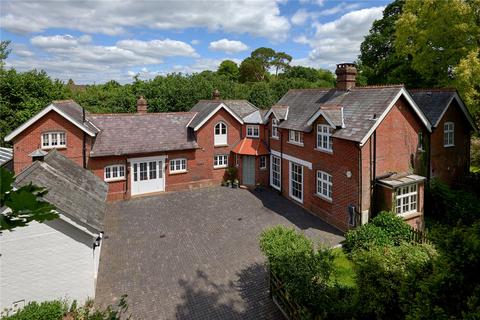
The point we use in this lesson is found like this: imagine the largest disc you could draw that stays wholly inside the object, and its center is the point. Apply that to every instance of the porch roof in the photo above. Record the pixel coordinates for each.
(251, 147)
(399, 180)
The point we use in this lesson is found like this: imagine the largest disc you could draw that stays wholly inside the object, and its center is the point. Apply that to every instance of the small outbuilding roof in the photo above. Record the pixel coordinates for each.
(6, 154)
(76, 192)
(251, 147)
(400, 180)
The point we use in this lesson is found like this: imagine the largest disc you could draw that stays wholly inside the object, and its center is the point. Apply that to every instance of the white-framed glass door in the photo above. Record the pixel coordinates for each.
(275, 172)
(296, 181)
(147, 175)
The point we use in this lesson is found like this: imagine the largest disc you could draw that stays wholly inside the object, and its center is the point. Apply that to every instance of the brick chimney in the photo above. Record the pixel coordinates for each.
(141, 105)
(346, 76)
(216, 94)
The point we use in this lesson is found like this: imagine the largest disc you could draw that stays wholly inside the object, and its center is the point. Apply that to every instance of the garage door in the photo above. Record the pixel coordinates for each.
(147, 175)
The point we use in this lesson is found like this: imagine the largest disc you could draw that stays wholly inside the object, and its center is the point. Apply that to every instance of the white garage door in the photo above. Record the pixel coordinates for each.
(147, 175)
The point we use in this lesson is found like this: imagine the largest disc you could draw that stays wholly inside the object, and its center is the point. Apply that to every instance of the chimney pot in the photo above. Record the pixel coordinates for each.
(216, 94)
(346, 76)
(142, 105)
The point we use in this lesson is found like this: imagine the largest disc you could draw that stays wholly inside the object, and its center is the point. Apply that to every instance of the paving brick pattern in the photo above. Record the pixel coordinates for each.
(194, 254)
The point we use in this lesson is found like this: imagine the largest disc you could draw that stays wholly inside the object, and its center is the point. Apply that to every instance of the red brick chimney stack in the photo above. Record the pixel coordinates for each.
(142, 105)
(346, 76)
(216, 94)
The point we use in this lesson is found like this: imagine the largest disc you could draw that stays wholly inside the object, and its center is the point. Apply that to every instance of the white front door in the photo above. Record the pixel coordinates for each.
(147, 175)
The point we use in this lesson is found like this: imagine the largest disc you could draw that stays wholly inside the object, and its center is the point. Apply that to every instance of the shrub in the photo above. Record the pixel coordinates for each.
(48, 310)
(306, 273)
(383, 230)
(387, 276)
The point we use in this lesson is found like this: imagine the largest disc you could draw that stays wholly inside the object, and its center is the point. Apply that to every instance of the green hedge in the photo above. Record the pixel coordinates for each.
(386, 229)
(48, 310)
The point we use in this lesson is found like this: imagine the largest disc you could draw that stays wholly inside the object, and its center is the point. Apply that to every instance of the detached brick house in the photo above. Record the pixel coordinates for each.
(343, 153)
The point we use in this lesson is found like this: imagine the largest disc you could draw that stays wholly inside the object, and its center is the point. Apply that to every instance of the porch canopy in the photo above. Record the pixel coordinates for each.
(251, 147)
(400, 180)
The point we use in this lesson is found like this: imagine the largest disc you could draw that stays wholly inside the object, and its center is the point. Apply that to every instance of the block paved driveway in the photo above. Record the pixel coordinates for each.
(195, 254)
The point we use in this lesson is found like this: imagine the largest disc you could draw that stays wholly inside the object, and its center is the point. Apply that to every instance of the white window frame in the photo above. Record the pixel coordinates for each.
(273, 164)
(179, 165)
(253, 131)
(295, 137)
(263, 165)
(324, 138)
(108, 172)
(449, 134)
(220, 139)
(406, 199)
(324, 185)
(292, 183)
(48, 138)
(275, 128)
(220, 161)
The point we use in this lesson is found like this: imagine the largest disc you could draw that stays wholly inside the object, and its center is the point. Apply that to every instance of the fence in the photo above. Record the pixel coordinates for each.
(290, 309)
(419, 236)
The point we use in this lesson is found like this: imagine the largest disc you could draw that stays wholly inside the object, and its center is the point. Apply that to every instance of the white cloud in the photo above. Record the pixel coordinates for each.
(158, 48)
(256, 17)
(300, 17)
(201, 65)
(342, 7)
(228, 46)
(339, 40)
(60, 41)
(195, 42)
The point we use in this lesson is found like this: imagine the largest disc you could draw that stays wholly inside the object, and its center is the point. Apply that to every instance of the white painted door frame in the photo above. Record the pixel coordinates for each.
(149, 185)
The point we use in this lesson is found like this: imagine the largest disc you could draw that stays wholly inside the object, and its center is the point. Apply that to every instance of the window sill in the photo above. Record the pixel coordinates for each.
(324, 150)
(321, 196)
(220, 145)
(263, 169)
(178, 172)
(275, 138)
(50, 148)
(409, 215)
(448, 145)
(220, 167)
(295, 143)
(255, 137)
(115, 179)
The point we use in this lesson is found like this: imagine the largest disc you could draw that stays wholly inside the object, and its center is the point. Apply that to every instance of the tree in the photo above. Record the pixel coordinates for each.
(4, 51)
(252, 70)
(229, 69)
(281, 61)
(380, 63)
(441, 37)
(265, 55)
(23, 205)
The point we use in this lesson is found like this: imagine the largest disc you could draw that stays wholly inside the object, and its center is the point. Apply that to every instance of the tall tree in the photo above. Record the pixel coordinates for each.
(265, 56)
(380, 63)
(439, 35)
(228, 68)
(4, 51)
(281, 61)
(252, 70)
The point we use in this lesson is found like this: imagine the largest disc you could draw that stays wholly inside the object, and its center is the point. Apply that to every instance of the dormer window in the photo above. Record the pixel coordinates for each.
(295, 137)
(274, 128)
(54, 140)
(220, 134)
(253, 131)
(324, 137)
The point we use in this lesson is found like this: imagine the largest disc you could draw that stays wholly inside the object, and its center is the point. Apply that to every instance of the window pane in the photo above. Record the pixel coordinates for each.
(114, 172)
(107, 173)
(122, 171)
(135, 172)
(153, 169)
(143, 171)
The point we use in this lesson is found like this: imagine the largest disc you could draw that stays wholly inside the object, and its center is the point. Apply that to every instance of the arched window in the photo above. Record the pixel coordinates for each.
(220, 134)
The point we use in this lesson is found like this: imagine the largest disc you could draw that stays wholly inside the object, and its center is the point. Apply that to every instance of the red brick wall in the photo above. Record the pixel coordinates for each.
(30, 140)
(448, 163)
(205, 139)
(396, 148)
(345, 157)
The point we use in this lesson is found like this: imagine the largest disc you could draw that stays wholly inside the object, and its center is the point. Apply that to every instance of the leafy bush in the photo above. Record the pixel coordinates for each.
(386, 229)
(387, 276)
(306, 273)
(48, 310)
(59, 309)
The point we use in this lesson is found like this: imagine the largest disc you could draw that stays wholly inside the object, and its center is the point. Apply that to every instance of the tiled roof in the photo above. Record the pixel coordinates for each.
(6, 154)
(204, 108)
(255, 117)
(142, 133)
(76, 192)
(280, 111)
(433, 102)
(75, 111)
(251, 147)
(360, 106)
(400, 179)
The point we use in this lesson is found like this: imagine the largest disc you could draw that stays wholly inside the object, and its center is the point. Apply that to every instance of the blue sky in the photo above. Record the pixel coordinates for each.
(96, 41)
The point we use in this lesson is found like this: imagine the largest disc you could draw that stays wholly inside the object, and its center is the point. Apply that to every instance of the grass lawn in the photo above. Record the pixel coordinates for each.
(343, 269)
